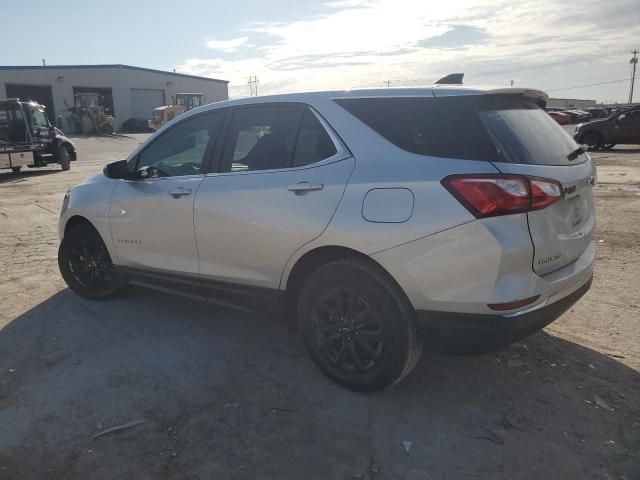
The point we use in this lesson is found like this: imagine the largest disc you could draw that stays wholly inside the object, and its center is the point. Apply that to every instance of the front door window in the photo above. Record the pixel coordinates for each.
(181, 150)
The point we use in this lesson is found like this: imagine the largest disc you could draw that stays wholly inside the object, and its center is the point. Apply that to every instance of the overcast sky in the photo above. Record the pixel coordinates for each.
(315, 45)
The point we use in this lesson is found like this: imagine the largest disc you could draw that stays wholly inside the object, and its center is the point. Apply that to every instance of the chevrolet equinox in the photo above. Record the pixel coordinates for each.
(379, 221)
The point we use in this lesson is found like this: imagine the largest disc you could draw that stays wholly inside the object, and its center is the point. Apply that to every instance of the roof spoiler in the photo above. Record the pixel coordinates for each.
(536, 96)
(451, 79)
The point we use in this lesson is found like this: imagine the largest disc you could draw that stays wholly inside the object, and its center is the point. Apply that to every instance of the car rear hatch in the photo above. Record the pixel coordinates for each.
(531, 143)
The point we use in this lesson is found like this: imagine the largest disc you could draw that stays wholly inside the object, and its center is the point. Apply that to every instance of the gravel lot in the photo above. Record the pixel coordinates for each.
(224, 394)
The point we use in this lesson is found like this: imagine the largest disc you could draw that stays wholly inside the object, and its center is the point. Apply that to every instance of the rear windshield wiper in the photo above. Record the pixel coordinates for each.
(577, 152)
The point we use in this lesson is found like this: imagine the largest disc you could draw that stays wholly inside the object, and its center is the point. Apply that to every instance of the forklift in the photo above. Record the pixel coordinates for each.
(27, 138)
(182, 102)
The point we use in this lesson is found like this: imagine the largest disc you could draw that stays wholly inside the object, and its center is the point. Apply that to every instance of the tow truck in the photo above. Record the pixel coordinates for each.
(28, 139)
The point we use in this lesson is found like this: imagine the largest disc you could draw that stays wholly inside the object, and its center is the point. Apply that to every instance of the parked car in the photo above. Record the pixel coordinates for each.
(578, 116)
(573, 116)
(598, 112)
(378, 221)
(560, 118)
(623, 128)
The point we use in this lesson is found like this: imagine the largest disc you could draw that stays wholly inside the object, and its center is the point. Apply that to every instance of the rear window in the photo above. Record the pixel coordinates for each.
(525, 133)
(496, 128)
(440, 127)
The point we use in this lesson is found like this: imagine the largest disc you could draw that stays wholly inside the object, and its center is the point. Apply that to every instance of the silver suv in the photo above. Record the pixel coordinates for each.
(378, 221)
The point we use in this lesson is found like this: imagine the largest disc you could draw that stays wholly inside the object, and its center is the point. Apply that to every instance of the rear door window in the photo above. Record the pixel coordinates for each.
(313, 144)
(440, 127)
(496, 128)
(262, 137)
(275, 136)
(524, 132)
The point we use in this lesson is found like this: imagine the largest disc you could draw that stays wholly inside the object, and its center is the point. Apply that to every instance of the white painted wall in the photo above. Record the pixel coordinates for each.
(120, 80)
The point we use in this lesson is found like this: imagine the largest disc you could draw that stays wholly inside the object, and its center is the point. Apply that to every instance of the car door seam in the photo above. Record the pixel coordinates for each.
(346, 184)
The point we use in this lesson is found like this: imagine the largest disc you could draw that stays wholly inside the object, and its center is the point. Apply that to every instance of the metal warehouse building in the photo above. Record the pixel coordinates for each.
(126, 91)
(570, 103)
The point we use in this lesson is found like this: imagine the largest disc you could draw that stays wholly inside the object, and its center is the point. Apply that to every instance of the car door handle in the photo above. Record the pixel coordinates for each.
(179, 192)
(301, 188)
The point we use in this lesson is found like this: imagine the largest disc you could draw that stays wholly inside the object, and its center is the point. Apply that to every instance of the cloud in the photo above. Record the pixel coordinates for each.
(227, 45)
(342, 4)
(316, 61)
(349, 43)
(457, 36)
(255, 43)
(334, 59)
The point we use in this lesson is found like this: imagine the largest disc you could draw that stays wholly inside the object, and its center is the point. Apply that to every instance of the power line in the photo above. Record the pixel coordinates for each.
(555, 63)
(587, 85)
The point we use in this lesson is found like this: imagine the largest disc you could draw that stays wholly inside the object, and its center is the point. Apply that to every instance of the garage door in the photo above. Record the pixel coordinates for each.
(39, 93)
(144, 100)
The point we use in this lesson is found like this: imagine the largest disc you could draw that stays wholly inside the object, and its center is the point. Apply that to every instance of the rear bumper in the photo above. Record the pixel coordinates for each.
(468, 333)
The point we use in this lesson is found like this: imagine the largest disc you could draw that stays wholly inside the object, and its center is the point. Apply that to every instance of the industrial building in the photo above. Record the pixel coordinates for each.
(568, 103)
(124, 91)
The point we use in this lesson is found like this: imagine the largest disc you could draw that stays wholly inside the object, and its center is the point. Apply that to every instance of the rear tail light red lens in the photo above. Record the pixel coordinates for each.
(544, 192)
(490, 195)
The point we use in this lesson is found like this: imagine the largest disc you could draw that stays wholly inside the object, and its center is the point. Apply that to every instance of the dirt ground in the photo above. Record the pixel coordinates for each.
(223, 394)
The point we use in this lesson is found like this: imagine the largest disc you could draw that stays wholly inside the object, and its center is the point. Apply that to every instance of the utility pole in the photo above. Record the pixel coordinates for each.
(253, 86)
(388, 83)
(634, 62)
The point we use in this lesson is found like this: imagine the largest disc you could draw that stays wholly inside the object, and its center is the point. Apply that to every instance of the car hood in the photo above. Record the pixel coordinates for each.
(98, 178)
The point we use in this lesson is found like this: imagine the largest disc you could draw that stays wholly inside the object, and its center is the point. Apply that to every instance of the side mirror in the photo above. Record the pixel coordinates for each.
(119, 169)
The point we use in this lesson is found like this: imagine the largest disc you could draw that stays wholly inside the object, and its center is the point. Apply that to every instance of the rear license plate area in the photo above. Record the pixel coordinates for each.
(576, 213)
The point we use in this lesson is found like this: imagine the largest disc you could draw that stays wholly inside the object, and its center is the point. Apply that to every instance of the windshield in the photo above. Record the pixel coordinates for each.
(525, 133)
(39, 119)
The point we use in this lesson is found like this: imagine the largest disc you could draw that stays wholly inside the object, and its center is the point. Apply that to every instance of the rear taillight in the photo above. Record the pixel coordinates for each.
(490, 195)
(544, 192)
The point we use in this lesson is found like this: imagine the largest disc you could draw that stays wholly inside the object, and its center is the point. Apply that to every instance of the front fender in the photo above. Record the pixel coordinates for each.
(60, 140)
(91, 200)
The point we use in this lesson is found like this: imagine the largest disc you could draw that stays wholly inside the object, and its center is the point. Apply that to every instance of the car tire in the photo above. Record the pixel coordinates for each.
(593, 139)
(16, 169)
(64, 157)
(85, 263)
(358, 325)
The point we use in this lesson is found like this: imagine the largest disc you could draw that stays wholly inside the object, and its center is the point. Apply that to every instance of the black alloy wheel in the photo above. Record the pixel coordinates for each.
(348, 330)
(358, 325)
(85, 263)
